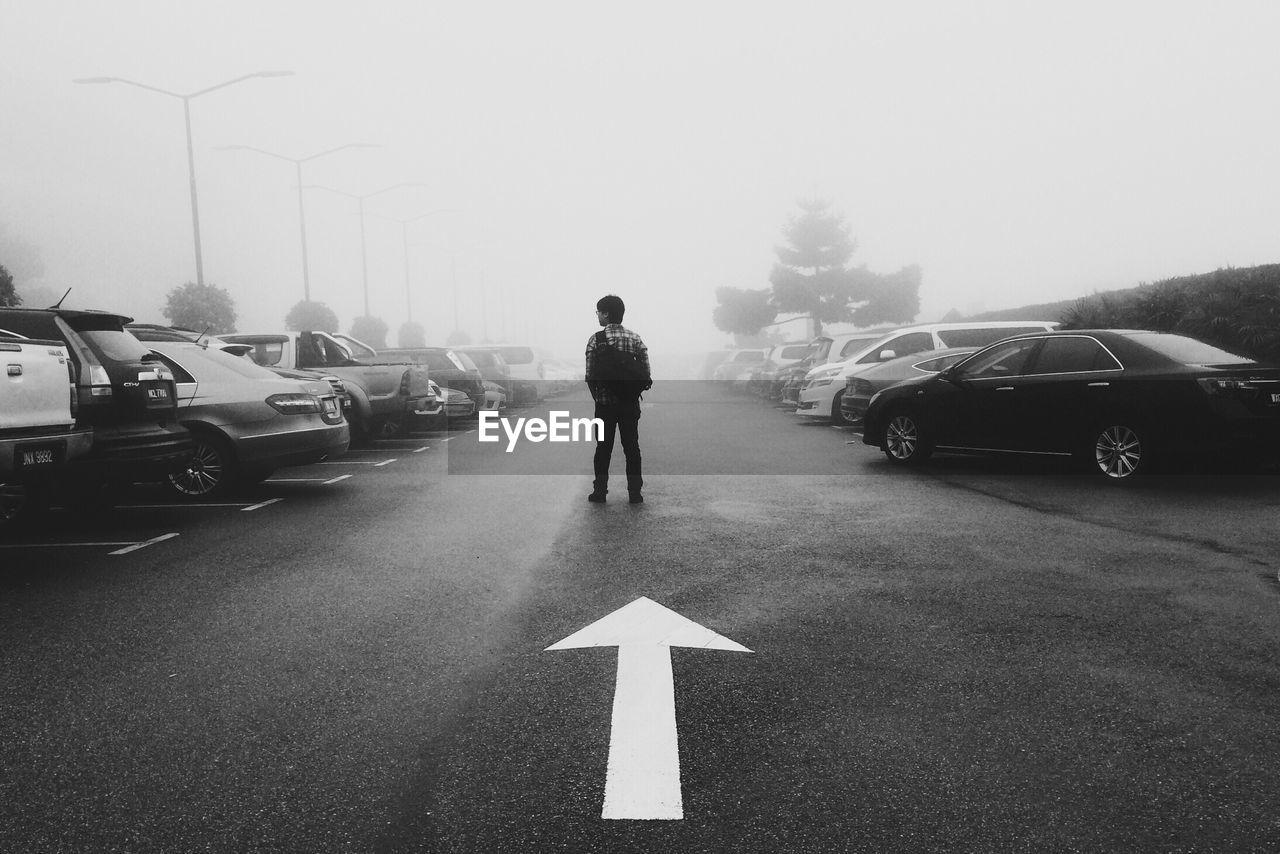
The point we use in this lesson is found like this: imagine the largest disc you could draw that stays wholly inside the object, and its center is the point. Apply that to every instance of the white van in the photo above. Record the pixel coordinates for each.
(824, 385)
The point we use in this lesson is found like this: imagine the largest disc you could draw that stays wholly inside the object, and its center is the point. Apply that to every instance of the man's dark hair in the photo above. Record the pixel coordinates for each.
(612, 306)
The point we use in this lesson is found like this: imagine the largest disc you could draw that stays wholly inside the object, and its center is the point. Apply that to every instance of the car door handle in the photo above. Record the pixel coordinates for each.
(1005, 388)
(1099, 385)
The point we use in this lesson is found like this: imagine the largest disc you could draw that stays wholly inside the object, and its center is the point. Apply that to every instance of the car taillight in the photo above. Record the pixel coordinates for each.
(1226, 386)
(294, 404)
(71, 385)
(99, 381)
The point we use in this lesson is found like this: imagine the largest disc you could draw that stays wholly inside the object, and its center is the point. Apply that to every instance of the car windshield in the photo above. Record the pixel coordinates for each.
(1186, 350)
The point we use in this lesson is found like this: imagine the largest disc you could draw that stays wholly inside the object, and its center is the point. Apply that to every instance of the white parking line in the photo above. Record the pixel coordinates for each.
(143, 545)
(384, 463)
(176, 506)
(420, 450)
(355, 462)
(336, 479)
(260, 505)
(61, 545)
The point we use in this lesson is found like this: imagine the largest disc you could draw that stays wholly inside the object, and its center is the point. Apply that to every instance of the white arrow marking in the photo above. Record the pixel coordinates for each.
(643, 780)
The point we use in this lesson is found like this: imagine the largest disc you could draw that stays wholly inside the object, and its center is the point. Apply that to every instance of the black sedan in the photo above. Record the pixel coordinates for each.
(1121, 401)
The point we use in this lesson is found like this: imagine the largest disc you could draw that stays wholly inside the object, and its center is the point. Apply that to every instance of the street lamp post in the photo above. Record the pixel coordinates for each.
(191, 156)
(364, 257)
(404, 239)
(302, 216)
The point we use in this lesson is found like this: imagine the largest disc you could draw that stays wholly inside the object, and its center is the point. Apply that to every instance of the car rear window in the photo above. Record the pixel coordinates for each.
(980, 337)
(1188, 351)
(114, 345)
(798, 351)
(215, 365)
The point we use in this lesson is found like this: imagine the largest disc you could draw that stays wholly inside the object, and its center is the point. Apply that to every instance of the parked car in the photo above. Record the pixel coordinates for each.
(527, 375)
(765, 379)
(383, 395)
(824, 385)
(38, 431)
(446, 366)
(245, 421)
(457, 404)
(792, 379)
(124, 393)
(493, 368)
(860, 388)
(739, 364)
(147, 332)
(495, 396)
(1121, 401)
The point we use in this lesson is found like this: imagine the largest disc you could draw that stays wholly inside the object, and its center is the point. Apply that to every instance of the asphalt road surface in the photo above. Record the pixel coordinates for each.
(977, 656)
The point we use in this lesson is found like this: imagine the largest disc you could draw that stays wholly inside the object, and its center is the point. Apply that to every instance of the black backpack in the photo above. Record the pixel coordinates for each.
(624, 375)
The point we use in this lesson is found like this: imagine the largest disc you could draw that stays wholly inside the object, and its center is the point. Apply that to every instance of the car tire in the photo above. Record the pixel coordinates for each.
(209, 472)
(1116, 451)
(906, 442)
(837, 417)
(389, 427)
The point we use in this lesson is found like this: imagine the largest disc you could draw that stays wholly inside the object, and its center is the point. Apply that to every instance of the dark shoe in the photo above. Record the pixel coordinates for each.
(637, 498)
(596, 497)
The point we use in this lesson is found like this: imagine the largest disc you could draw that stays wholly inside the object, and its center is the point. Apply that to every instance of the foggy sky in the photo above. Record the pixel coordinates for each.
(1018, 152)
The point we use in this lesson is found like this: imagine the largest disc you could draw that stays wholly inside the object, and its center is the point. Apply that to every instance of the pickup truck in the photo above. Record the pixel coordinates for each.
(383, 396)
(38, 432)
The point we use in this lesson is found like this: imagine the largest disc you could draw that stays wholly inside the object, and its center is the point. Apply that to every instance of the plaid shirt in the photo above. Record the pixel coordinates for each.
(622, 340)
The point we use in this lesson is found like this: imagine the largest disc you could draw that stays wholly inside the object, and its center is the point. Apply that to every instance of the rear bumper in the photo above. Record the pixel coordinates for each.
(35, 457)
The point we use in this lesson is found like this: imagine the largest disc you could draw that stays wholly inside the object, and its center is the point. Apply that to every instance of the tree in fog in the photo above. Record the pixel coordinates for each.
(204, 308)
(21, 258)
(743, 312)
(813, 276)
(411, 334)
(8, 294)
(311, 317)
(371, 330)
(458, 338)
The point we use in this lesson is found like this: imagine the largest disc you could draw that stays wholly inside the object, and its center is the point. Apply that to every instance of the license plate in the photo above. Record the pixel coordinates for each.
(1275, 397)
(34, 457)
(158, 393)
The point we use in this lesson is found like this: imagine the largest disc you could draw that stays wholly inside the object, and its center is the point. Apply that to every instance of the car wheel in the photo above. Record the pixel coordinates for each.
(837, 417)
(905, 442)
(208, 472)
(387, 428)
(1117, 452)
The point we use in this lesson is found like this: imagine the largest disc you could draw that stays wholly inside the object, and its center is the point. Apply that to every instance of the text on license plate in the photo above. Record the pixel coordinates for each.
(38, 457)
(1275, 397)
(158, 393)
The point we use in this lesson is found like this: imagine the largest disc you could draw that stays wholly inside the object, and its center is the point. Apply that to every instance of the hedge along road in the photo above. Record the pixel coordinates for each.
(961, 658)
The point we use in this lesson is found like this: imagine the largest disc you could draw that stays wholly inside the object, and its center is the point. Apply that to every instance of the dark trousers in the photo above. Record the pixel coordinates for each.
(624, 419)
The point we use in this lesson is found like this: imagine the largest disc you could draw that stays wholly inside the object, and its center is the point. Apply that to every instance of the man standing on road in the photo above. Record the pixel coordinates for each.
(617, 372)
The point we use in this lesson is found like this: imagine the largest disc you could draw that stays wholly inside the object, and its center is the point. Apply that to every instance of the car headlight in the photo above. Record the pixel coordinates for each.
(819, 381)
